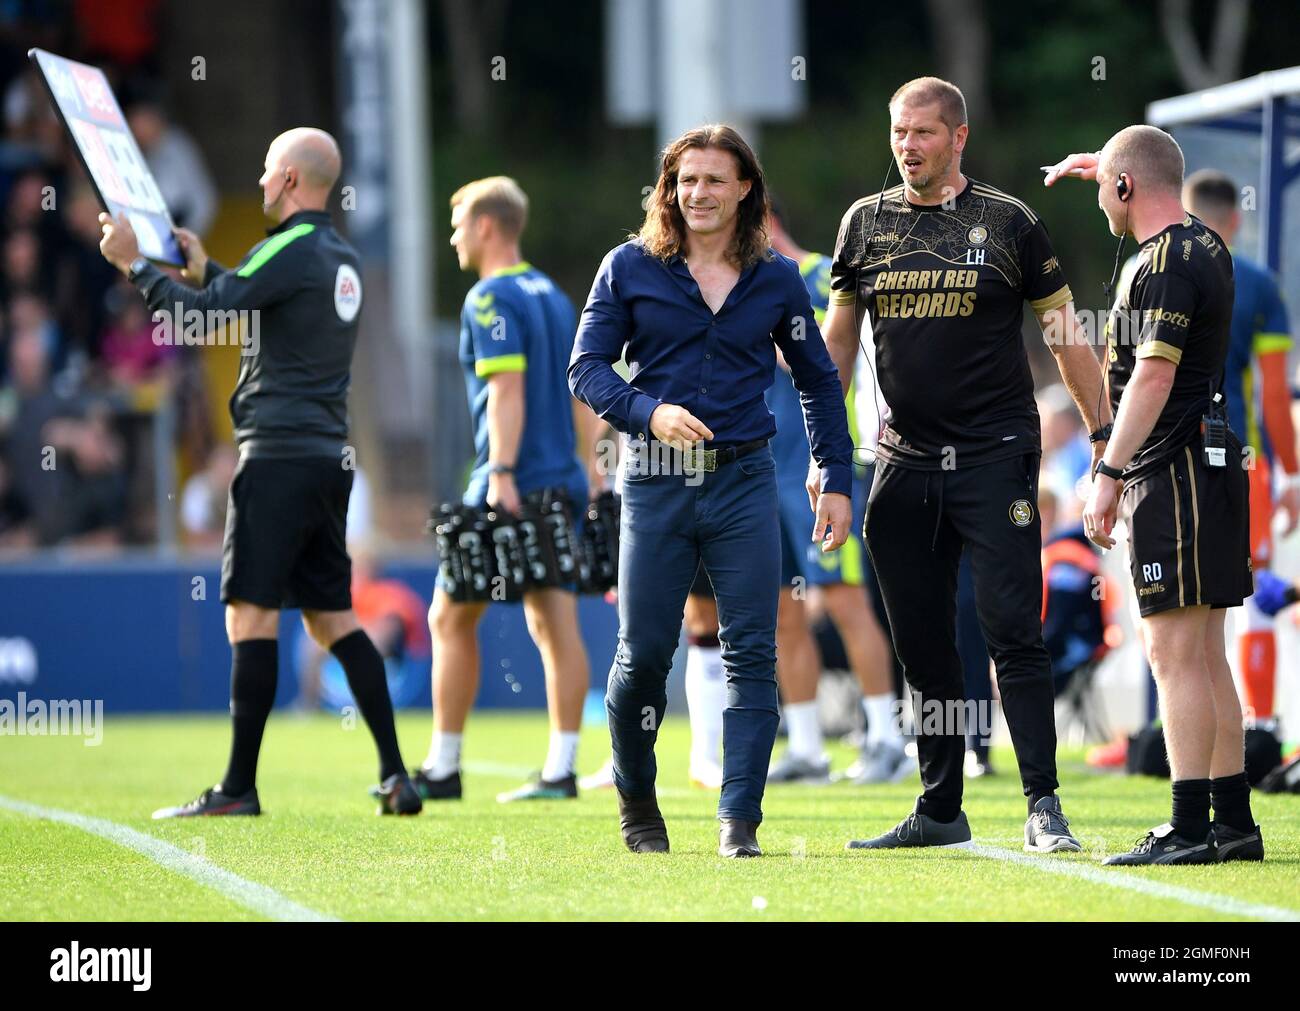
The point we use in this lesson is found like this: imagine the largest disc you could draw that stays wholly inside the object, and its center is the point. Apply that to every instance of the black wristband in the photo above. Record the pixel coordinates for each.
(501, 468)
(1102, 434)
(1112, 472)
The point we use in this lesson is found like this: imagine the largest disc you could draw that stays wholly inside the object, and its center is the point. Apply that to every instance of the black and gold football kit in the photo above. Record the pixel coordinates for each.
(1188, 521)
(957, 466)
(945, 288)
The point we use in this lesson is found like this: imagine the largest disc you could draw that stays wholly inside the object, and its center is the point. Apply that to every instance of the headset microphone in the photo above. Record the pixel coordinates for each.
(1122, 191)
(880, 197)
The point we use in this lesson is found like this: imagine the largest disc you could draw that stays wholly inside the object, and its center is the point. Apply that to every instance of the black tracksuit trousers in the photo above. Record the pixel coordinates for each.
(918, 523)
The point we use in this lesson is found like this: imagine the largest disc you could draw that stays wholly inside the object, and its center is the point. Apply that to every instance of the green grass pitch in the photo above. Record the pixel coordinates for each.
(319, 844)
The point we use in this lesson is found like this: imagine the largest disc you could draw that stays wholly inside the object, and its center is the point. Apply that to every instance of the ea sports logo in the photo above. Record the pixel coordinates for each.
(978, 235)
(1021, 512)
(347, 293)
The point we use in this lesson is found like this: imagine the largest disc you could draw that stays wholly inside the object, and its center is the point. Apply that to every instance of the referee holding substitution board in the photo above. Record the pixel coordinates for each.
(284, 544)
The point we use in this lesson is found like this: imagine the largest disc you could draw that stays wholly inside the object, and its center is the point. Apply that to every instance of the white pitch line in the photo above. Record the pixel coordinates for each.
(1112, 879)
(259, 898)
(1116, 878)
(1119, 878)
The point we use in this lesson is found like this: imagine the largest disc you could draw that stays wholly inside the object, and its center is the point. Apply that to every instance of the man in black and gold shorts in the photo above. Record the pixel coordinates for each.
(1176, 474)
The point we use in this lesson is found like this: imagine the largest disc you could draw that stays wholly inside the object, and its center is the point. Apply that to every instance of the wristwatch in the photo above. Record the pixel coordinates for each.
(1112, 472)
(136, 268)
(1102, 434)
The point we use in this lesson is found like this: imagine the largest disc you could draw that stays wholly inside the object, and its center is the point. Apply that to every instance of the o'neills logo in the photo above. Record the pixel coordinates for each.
(1147, 591)
(1166, 316)
(886, 237)
(181, 327)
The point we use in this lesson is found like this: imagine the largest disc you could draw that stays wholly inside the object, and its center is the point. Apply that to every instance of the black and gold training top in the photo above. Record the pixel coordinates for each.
(945, 287)
(1177, 306)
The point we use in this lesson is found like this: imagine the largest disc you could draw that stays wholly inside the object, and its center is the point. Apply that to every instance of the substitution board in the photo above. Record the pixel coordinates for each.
(118, 172)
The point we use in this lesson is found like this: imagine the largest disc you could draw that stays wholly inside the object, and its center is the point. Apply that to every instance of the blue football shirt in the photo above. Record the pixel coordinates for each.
(1259, 326)
(517, 320)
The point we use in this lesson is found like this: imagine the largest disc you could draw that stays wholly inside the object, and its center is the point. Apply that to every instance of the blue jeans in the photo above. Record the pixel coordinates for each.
(670, 523)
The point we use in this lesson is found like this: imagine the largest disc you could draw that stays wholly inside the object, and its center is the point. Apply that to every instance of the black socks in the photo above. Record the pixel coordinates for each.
(364, 668)
(252, 694)
(1191, 818)
(1231, 796)
(1232, 802)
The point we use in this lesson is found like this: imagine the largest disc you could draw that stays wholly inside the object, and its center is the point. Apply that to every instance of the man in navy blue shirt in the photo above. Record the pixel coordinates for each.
(698, 301)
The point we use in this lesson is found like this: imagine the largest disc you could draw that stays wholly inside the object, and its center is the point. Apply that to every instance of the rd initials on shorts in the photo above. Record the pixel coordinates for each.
(1151, 573)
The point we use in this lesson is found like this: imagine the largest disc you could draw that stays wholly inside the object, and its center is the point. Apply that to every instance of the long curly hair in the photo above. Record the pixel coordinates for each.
(664, 230)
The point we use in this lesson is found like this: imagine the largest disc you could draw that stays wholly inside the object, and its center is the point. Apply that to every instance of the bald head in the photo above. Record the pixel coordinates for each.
(302, 166)
(314, 153)
(1150, 158)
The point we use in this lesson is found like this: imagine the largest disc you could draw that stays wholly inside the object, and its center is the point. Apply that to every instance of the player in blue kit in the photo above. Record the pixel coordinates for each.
(517, 332)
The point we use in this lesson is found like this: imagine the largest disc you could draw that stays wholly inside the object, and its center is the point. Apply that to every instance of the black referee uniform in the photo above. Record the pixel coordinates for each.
(285, 540)
(1188, 521)
(284, 544)
(957, 465)
(1185, 501)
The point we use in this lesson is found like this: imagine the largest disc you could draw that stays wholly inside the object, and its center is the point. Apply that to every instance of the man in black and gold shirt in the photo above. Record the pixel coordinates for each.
(1177, 475)
(1178, 307)
(943, 265)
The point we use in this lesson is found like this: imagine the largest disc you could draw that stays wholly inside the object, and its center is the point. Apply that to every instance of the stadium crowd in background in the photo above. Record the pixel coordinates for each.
(82, 381)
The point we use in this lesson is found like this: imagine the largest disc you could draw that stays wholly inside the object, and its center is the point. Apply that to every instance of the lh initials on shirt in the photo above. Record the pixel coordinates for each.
(974, 257)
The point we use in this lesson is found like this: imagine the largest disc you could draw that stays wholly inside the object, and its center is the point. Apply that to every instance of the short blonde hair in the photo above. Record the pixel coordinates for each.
(499, 197)
(928, 90)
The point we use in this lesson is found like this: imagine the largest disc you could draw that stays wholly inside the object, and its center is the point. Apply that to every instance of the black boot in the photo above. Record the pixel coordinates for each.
(643, 826)
(738, 838)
